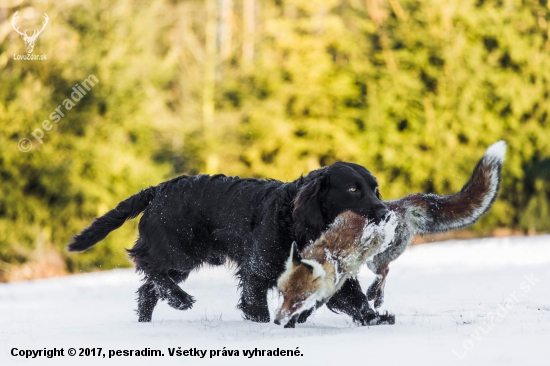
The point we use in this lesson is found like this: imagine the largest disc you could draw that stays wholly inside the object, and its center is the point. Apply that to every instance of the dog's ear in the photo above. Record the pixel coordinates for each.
(307, 214)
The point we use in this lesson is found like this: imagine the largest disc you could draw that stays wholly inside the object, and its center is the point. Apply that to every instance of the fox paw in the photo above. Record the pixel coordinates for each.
(291, 323)
(375, 293)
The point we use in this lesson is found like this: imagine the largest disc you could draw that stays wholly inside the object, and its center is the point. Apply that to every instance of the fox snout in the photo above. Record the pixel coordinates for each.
(286, 312)
(280, 318)
(284, 315)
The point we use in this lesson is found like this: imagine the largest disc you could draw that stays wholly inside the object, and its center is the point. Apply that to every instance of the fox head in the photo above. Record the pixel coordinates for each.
(303, 285)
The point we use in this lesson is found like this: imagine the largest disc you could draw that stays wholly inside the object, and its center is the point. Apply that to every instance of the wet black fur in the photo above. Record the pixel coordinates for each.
(194, 220)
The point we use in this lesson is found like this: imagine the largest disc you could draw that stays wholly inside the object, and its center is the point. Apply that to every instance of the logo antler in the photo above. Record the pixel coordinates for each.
(29, 40)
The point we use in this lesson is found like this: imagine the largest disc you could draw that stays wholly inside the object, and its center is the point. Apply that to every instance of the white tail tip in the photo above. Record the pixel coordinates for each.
(497, 151)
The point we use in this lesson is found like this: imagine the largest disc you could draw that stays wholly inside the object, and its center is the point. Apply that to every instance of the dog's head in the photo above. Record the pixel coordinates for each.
(329, 191)
(302, 286)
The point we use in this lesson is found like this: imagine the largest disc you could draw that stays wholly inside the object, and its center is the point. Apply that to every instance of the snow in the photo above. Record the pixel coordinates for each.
(476, 302)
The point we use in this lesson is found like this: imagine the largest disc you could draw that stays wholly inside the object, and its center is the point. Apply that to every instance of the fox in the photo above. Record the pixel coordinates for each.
(311, 277)
(427, 213)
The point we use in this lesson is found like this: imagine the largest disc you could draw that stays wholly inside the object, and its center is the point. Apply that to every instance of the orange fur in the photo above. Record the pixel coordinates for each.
(314, 276)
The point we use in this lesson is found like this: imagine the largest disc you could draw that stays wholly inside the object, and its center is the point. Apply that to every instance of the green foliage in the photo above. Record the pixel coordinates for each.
(101, 150)
(413, 90)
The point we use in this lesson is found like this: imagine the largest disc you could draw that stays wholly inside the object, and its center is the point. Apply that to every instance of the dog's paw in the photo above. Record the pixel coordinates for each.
(258, 318)
(364, 316)
(369, 316)
(181, 301)
(258, 314)
(385, 318)
(390, 318)
(144, 318)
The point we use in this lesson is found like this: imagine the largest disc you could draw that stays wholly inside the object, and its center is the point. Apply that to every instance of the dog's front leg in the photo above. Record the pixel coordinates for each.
(253, 302)
(351, 300)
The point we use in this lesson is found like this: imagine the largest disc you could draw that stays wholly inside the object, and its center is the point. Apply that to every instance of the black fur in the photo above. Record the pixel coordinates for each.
(112, 220)
(194, 220)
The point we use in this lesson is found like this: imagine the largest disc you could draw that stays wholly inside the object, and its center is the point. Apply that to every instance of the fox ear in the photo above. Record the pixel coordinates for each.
(294, 258)
(316, 268)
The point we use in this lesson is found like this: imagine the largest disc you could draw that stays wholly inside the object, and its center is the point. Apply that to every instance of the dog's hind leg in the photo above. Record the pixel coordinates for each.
(168, 289)
(147, 300)
(178, 276)
(148, 295)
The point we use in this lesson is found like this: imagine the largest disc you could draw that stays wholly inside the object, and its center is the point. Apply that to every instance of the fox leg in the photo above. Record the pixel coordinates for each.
(379, 265)
(376, 289)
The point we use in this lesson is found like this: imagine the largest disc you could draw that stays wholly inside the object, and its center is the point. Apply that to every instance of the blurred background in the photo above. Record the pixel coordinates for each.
(413, 90)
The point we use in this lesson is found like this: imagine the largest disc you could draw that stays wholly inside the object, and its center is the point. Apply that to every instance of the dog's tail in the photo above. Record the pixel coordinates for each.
(112, 220)
(430, 213)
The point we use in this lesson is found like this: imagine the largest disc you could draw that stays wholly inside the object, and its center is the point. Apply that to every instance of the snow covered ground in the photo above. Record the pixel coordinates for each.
(476, 302)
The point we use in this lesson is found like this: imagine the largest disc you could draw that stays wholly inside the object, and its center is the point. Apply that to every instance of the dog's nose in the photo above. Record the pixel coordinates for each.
(381, 212)
(277, 321)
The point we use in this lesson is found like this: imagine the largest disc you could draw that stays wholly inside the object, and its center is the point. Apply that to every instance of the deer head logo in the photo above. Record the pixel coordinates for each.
(29, 40)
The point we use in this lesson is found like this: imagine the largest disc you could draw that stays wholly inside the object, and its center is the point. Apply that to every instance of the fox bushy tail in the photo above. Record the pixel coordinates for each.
(431, 213)
(112, 220)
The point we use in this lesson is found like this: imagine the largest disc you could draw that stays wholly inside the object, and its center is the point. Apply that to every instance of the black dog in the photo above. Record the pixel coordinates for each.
(190, 221)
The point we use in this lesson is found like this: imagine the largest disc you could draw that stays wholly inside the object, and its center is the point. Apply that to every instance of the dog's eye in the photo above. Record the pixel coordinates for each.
(377, 193)
(352, 189)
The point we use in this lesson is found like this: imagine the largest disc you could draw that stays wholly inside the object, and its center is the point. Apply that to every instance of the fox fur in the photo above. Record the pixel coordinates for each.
(430, 213)
(313, 276)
